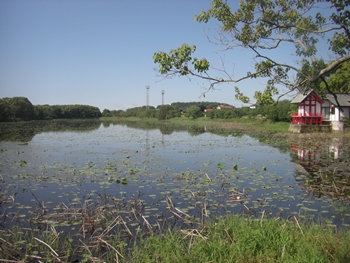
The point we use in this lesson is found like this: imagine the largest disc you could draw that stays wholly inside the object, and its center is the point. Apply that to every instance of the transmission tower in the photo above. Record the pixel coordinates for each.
(147, 97)
(162, 97)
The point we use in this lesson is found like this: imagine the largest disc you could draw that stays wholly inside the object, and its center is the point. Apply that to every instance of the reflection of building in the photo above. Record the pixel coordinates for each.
(306, 156)
(312, 110)
(333, 149)
(323, 170)
(311, 155)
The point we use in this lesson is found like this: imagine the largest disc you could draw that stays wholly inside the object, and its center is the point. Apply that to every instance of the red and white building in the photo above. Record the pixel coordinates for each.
(314, 110)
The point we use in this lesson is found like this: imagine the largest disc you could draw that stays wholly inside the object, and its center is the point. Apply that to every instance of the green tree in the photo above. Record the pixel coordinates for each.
(120, 113)
(264, 26)
(339, 81)
(4, 110)
(48, 112)
(167, 112)
(280, 112)
(17, 108)
(44, 112)
(193, 112)
(150, 113)
(106, 113)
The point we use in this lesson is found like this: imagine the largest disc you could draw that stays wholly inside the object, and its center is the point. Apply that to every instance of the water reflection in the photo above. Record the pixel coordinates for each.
(197, 170)
(315, 155)
(327, 166)
(308, 157)
(25, 131)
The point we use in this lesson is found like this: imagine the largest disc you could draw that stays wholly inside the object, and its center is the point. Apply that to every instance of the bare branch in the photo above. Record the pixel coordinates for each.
(274, 62)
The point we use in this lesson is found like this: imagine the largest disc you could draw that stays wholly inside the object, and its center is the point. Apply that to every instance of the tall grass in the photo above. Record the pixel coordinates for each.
(225, 239)
(237, 239)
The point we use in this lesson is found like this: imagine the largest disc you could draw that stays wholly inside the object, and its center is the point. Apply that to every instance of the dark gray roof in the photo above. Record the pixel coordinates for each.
(343, 99)
(300, 97)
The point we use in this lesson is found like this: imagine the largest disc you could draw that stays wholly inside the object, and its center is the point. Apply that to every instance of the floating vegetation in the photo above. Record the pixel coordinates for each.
(79, 180)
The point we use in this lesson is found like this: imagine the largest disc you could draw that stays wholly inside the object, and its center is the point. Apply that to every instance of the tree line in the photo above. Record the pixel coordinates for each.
(20, 108)
(201, 104)
(280, 112)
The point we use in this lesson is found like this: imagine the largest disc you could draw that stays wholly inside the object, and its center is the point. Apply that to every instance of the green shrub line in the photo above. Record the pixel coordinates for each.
(242, 123)
(231, 238)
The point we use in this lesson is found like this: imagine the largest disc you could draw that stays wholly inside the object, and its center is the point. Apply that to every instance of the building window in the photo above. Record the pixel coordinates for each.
(325, 112)
(332, 110)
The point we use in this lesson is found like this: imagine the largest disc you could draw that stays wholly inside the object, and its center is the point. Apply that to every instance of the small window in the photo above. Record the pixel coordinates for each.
(333, 110)
(325, 112)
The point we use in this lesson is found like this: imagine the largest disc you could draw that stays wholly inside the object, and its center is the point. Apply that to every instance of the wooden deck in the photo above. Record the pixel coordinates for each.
(314, 119)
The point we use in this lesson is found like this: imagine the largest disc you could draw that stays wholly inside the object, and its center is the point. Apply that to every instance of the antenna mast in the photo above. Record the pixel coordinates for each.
(147, 97)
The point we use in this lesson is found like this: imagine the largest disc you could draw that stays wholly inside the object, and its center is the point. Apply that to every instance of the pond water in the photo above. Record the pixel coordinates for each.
(156, 174)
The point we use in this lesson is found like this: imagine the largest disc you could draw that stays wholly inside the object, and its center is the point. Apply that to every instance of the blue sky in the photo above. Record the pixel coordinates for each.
(99, 53)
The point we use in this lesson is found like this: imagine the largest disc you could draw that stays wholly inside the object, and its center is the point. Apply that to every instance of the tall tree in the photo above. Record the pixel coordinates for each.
(264, 26)
(17, 108)
(339, 81)
(193, 112)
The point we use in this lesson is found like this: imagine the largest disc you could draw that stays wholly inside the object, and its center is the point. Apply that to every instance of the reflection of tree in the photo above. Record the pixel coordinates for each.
(17, 131)
(148, 152)
(25, 131)
(165, 129)
(195, 130)
(106, 124)
(225, 132)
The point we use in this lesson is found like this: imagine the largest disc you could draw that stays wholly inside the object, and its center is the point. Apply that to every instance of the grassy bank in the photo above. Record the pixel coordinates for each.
(228, 239)
(242, 123)
(238, 124)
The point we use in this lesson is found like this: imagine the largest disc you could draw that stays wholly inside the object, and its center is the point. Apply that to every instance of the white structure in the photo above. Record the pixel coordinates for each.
(147, 97)
(162, 97)
(331, 111)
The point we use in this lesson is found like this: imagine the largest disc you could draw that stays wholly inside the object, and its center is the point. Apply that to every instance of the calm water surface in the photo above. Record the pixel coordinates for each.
(201, 174)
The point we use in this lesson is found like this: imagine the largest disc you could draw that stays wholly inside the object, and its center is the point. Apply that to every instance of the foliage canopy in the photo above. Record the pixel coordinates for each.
(20, 108)
(264, 26)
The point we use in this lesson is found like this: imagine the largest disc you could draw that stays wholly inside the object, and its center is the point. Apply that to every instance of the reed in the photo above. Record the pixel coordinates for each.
(223, 239)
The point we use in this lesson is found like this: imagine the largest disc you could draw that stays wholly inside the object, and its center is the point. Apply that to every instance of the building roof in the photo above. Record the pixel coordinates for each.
(343, 99)
(300, 97)
(224, 107)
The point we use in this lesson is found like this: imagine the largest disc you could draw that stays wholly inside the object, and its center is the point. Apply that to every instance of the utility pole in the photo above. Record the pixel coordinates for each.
(147, 97)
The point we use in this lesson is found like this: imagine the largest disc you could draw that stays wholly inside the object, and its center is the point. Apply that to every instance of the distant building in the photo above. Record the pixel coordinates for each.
(224, 107)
